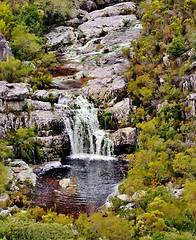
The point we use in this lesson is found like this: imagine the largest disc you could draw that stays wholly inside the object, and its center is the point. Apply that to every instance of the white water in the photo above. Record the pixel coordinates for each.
(84, 131)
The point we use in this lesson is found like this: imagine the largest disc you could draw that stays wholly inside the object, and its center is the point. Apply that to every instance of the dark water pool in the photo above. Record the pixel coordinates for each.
(91, 181)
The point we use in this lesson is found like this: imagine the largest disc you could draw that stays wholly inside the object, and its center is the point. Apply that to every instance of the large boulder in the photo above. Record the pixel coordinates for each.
(5, 49)
(124, 139)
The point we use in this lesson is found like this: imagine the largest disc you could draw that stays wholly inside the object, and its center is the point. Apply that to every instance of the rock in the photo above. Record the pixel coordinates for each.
(5, 213)
(88, 5)
(14, 91)
(124, 197)
(60, 36)
(124, 138)
(38, 105)
(13, 209)
(186, 83)
(5, 49)
(54, 147)
(42, 169)
(45, 96)
(137, 195)
(117, 9)
(103, 25)
(105, 87)
(191, 102)
(129, 206)
(4, 197)
(65, 182)
(120, 112)
(23, 173)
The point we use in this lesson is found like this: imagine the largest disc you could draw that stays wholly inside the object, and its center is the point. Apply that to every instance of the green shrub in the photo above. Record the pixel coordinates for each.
(41, 79)
(23, 230)
(176, 47)
(14, 70)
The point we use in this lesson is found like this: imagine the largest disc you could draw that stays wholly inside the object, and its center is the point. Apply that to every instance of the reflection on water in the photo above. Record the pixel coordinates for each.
(88, 183)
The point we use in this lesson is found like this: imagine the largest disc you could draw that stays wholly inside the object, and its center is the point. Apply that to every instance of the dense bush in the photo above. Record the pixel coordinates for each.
(24, 230)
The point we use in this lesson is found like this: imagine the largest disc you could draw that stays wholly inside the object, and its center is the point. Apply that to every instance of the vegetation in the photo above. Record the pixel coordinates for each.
(166, 155)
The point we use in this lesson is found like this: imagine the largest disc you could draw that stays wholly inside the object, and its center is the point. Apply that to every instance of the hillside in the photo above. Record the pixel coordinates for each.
(135, 61)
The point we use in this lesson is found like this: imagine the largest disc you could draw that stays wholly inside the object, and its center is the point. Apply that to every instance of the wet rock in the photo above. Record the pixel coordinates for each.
(124, 138)
(54, 147)
(42, 169)
(5, 49)
(60, 36)
(14, 91)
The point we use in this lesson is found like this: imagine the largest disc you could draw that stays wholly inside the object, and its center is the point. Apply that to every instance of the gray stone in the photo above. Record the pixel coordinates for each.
(5, 213)
(191, 102)
(60, 36)
(38, 105)
(14, 91)
(117, 9)
(103, 25)
(41, 169)
(5, 49)
(23, 173)
(124, 137)
(106, 86)
(124, 197)
(120, 111)
(4, 197)
(88, 5)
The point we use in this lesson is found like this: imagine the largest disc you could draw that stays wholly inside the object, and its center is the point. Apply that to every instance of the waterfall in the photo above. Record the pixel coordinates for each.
(82, 127)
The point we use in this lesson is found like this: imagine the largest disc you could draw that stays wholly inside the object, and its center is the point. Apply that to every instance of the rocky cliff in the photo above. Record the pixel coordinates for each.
(92, 60)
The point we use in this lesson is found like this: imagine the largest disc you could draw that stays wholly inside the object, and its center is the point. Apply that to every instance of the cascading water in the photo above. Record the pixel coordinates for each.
(84, 132)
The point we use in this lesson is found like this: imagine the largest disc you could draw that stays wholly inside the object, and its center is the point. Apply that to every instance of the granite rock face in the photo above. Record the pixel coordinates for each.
(22, 108)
